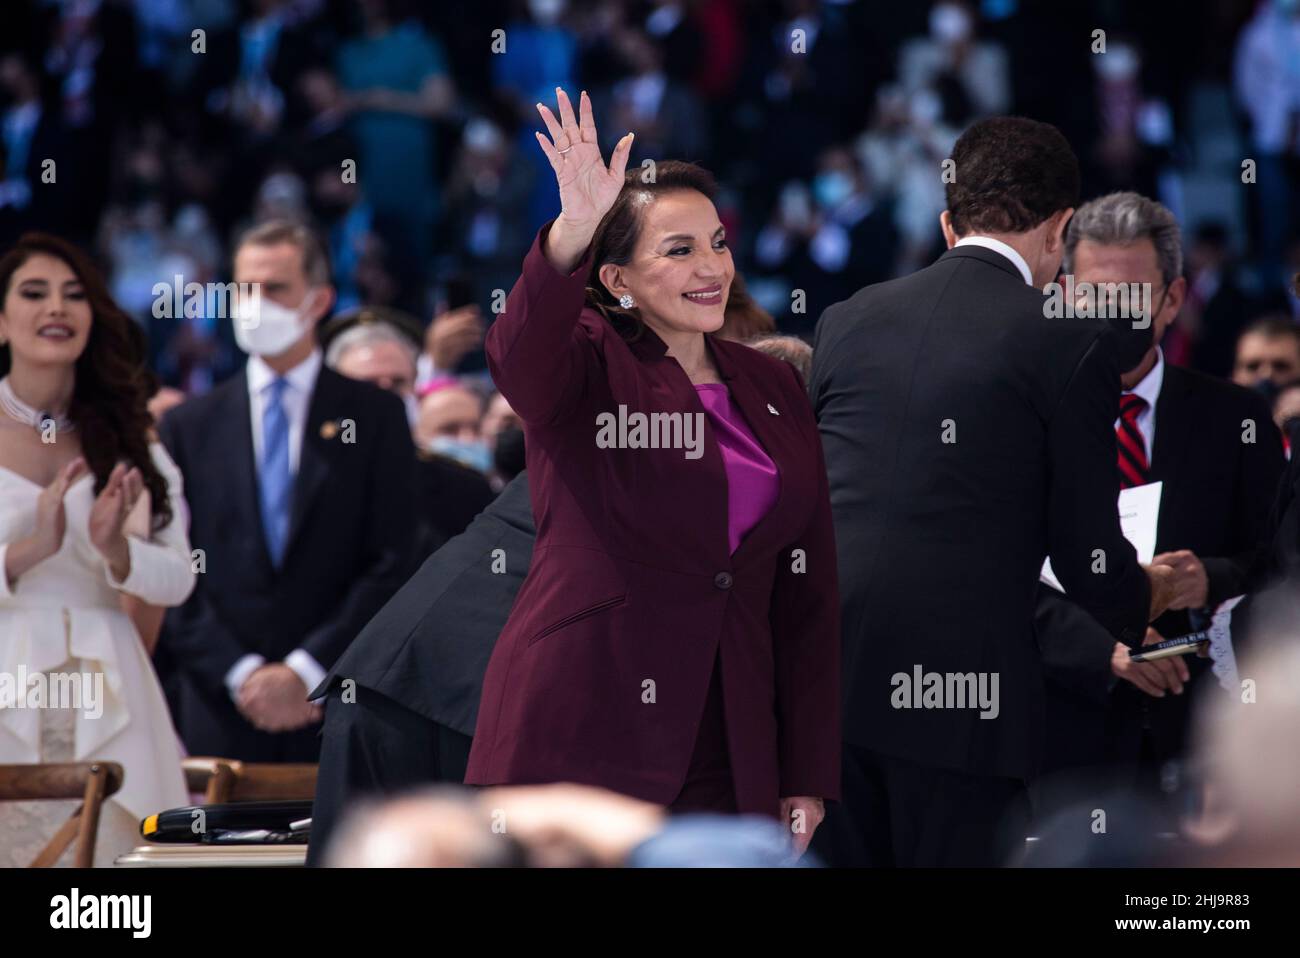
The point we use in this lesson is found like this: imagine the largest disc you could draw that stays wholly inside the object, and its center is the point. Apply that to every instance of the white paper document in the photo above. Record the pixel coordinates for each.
(1139, 510)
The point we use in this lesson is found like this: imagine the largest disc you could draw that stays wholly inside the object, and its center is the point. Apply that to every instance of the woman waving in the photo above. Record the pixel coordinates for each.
(677, 637)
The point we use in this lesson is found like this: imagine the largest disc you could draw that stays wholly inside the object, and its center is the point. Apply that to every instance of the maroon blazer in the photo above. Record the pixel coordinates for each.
(601, 672)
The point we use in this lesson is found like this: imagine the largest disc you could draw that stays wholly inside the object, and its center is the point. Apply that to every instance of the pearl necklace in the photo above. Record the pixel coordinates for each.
(19, 411)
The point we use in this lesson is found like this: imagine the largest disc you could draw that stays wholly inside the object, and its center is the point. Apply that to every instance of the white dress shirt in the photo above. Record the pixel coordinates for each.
(988, 242)
(300, 383)
(1149, 389)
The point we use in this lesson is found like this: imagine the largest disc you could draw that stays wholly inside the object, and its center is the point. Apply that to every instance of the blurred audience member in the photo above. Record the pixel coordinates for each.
(1266, 77)
(792, 349)
(503, 431)
(379, 346)
(449, 423)
(1248, 745)
(1268, 354)
(551, 826)
(397, 86)
(952, 50)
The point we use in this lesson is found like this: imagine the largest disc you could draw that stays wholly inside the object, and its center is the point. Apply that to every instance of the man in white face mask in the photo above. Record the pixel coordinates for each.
(299, 483)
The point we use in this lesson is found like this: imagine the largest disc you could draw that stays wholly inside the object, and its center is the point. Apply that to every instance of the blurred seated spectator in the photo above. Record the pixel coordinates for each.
(550, 826)
(792, 349)
(503, 431)
(379, 345)
(1268, 354)
(450, 423)
(1248, 748)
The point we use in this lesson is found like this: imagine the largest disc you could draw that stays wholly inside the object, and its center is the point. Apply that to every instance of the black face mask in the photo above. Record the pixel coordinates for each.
(1134, 344)
(1268, 389)
(508, 457)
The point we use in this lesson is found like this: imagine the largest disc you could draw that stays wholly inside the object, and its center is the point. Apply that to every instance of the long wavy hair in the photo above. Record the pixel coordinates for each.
(619, 229)
(109, 400)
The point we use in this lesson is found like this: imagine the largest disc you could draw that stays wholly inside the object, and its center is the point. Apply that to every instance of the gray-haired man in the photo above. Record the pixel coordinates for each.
(1214, 447)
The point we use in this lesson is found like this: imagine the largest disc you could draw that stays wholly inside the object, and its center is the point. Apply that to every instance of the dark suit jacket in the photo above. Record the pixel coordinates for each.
(349, 550)
(601, 673)
(941, 542)
(1215, 501)
(417, 667)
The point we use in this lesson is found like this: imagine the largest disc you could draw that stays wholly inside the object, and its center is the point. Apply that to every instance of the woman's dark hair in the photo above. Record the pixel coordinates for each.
(617, 234)
(1010, 174)
(109, 399)
(743, 318)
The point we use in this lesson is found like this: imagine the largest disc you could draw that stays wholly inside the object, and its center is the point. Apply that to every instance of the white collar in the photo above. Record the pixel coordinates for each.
(988, 242)
(301, 378)
(1149, 387)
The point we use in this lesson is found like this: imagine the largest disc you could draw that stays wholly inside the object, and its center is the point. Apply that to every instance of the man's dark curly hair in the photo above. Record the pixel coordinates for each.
(1010, 174)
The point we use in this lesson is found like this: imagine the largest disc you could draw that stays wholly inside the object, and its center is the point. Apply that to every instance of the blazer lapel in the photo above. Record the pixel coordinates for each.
(312, 457)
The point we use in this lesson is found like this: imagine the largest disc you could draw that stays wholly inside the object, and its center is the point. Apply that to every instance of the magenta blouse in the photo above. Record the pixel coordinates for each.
(752, 479)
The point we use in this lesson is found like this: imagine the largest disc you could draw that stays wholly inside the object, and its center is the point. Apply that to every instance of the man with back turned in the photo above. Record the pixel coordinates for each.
(967, 436)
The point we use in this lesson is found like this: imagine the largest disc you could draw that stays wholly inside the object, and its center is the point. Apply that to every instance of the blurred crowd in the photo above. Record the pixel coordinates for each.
(402, 132)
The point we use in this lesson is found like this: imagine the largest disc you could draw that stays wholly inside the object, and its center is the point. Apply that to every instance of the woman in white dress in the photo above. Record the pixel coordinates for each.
(90, 509)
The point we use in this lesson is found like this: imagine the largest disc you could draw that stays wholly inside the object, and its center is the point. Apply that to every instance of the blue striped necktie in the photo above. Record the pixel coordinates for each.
(275, 480)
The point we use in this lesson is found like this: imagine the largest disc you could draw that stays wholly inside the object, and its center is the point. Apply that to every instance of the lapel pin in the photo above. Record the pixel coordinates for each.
(772, 410)
(329, 429)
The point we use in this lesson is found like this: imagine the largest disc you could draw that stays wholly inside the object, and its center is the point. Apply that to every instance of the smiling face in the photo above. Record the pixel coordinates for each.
(681, 269)
(46, 316)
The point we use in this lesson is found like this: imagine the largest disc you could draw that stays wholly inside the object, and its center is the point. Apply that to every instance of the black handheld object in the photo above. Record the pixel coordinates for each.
(1183, 645)
(239, 823)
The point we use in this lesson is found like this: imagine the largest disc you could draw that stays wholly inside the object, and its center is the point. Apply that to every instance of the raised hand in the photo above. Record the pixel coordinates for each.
(51, 520)
(588, 187)
(108, 516)
(453, 334)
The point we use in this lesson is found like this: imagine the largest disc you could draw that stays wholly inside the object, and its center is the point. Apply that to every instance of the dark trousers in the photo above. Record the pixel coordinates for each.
(709, 786)
(897, 813)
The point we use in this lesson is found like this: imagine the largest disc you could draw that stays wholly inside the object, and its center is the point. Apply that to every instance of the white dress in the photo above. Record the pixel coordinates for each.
(63, 616)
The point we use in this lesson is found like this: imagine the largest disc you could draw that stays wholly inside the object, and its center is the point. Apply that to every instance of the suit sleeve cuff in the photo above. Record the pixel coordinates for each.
(306, 668)
(240, 671)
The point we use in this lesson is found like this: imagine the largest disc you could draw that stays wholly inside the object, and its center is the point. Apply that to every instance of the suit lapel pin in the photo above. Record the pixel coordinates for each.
(329, 429)
(772, 410)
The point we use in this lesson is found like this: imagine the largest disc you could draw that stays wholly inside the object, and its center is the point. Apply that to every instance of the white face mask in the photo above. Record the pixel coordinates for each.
(265, 328)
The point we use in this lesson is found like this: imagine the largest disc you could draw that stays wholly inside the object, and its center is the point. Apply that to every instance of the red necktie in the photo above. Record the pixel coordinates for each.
(1133, 464)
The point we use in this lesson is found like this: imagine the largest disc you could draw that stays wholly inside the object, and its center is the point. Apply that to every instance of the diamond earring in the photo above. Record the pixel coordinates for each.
(626, 301)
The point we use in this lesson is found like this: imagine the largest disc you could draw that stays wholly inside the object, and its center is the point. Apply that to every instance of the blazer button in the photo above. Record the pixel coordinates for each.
(723, 580)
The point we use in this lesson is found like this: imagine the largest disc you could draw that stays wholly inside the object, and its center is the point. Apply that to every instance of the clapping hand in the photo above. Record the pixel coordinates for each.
(588, 188)
(108, 517)
(51, 520)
